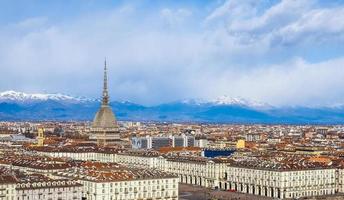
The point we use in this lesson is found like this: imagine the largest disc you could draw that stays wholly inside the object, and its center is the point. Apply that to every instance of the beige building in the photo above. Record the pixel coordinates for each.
(104, 130)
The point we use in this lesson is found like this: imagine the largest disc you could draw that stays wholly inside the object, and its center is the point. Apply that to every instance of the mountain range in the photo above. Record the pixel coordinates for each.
(22, 106)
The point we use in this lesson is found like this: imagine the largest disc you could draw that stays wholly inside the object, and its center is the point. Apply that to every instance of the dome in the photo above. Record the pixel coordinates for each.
(104, 118)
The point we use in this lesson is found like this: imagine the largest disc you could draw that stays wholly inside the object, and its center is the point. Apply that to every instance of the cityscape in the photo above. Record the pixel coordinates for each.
(136, 129)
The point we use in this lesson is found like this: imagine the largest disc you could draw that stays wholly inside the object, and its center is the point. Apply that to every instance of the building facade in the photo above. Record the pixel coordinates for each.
(7, 188)
(124, 184)
(283, 176)
(281, 183)
(49, 190)
(340, 180)
(151, 142)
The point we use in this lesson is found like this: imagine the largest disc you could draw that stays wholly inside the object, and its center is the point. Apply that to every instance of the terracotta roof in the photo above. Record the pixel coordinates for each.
(35, 162)
(280, 163)
(119, 173)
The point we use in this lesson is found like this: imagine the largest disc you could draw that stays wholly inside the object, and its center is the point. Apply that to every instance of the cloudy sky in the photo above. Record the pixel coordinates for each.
(288, 52)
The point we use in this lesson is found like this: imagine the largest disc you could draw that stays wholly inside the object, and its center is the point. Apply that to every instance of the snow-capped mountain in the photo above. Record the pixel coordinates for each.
(14, 96)
(226, 101)
(23, 106)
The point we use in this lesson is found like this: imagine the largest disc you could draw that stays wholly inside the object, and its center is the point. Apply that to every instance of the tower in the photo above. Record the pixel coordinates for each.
(105, 101)
(40, 137)
(104, 130)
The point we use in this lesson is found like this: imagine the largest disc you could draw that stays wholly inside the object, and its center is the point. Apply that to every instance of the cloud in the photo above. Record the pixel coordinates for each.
(289, 22)
(317, 25)
(296, 82)
(174, 17)
(273, 18)
(232, 10)
(158, 54)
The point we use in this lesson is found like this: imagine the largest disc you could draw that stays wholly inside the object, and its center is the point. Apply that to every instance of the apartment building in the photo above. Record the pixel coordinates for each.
(49, 190)
(16, 185)
(282, 179)
(196, 170)
(124, 183)
(7, 186)
(156, 142)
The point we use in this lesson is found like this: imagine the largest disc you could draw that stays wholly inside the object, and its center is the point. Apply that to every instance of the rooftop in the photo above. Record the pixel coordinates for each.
(281, 163)
(35, 162)
(113, 174)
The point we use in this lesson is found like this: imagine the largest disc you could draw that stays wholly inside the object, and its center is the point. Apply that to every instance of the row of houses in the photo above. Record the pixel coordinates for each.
(283, 176)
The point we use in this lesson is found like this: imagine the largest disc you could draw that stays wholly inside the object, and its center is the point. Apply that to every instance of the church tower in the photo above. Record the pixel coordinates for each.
(40, 137)
(104, 128)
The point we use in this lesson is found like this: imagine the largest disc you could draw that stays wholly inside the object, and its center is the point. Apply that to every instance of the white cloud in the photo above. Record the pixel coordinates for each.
(158, 55)
(174, 17)
(315, 25)
(234, 9)
(273, 18)
(293, 83)
(289, 22)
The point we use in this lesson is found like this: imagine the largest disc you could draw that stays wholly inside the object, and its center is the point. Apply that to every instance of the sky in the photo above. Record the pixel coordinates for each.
(281, 52)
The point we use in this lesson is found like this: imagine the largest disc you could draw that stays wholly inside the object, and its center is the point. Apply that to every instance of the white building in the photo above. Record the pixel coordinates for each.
(196, 170)
(340, 175)
(274, 176)
(252, 137)
(202, 143)
(124, 184)
(7, 188)
(141, 159)
(150, 142)
(15, 185)
(284, 180)
(50, 189)
(190, 169)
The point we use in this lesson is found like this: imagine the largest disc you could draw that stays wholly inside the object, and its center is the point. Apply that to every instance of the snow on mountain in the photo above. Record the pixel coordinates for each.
(18, 106)
(25, 97)
(226, 100)
(22, 97)
(194, 101)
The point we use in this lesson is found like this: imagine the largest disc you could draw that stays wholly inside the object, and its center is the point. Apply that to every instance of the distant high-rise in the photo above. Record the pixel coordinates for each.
(104, 128)
(152, 142)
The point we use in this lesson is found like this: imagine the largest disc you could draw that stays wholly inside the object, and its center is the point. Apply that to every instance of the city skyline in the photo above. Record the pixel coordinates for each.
(165, 51)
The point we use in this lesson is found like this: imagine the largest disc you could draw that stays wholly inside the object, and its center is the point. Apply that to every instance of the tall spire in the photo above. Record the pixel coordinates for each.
(105, 87)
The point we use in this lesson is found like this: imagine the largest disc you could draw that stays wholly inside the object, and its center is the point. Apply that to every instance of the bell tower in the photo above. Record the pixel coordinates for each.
(40, 137)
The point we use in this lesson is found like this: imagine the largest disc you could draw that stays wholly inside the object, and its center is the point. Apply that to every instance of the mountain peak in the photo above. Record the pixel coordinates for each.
(23, 106)
(11, 95)
(227, 100)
